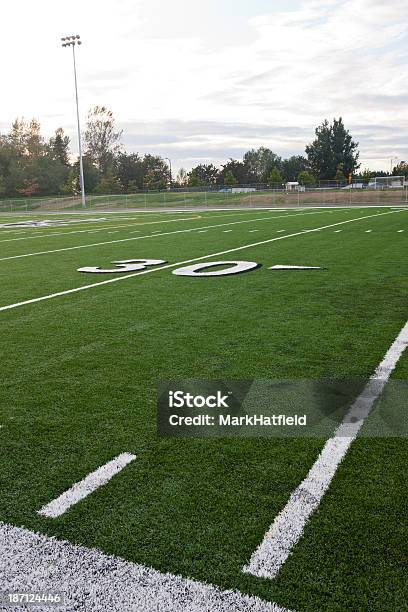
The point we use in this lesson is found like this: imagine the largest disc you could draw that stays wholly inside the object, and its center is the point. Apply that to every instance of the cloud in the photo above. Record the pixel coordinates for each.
(186, 88)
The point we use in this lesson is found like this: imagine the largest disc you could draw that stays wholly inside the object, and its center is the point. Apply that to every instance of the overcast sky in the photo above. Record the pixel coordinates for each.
(201, 81)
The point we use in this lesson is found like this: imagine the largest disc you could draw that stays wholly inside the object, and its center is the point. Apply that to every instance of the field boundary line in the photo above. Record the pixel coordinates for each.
(288, 526)
(93, 580)
(86, 486)
(157, 235)
(187, 261)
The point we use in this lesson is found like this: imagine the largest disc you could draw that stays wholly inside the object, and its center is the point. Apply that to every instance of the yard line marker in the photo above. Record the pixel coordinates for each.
(187, 261)
(190, 229)
(85, 487)
(93, 580)
(368, 231)
(288, 526)
(255, 230)
(337, 231)
(287, 267)
(279, 231)
(399, 231)
(226, 231)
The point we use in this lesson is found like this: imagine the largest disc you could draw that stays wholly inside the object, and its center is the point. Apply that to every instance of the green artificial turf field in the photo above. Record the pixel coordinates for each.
(79, 373)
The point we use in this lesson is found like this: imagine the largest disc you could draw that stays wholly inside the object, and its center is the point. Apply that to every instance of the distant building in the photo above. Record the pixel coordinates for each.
(294, 186)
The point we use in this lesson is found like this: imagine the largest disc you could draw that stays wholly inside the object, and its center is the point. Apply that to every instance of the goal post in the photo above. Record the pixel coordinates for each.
(387, 182)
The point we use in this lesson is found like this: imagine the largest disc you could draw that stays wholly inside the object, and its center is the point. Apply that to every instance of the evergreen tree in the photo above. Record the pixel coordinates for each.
(332, 146)
(58, 147)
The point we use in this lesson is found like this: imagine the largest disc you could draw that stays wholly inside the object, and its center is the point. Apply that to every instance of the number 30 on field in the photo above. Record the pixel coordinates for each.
(197, 269)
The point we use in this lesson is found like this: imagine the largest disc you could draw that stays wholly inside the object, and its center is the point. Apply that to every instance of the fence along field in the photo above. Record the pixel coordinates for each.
(203, 198)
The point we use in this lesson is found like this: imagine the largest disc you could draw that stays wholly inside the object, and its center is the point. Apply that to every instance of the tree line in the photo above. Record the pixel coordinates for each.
(31, 165)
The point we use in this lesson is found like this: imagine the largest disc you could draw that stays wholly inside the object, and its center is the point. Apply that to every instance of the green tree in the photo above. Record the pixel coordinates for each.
(237, 169)
(339, 176)
(203, 174)
(29, 189)
(3, 188)
(58, 147)
(332, 146)
(49, 173)
(26, 138)
(102, 140)
(92, 175)
(229, 179)
(181, 178)
(274, 178)
(108, 184)
(366, 174)
(306, 178)
(71, 183)
(401, 169)
(259, 163)
(129, 170)
(292, 166)
(156, 173)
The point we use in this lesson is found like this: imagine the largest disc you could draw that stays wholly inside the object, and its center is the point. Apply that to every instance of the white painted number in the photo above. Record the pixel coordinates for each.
(125, 265)
(234, 267)
(195, 270)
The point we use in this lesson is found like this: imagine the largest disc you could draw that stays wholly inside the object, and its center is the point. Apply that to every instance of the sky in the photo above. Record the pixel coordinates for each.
(200, 82)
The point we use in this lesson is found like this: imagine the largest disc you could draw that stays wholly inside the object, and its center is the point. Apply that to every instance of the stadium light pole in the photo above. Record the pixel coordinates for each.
(71, 41)
(169, 160)
(392, 160)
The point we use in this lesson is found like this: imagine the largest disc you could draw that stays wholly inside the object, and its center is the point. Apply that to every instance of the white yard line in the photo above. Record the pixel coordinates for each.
(85, 487)
(101, 229)
(137, 221)
(288, 526)
(187, 261)
(94, 581)
(151, 235)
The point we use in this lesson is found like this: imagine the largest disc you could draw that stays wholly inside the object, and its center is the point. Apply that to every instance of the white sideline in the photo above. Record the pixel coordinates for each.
(187, 261)
(85, 487)
(156, 235)
(96, 582)
(288, 526)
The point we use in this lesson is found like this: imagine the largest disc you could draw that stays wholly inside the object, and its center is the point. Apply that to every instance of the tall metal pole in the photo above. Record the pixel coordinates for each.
(71, 41)
(81, 165)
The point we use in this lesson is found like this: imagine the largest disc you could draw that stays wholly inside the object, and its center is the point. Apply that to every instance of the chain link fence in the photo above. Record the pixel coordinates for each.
(357, 193)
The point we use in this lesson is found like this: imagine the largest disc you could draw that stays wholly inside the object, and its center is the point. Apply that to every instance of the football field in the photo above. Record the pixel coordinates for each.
(82, 354)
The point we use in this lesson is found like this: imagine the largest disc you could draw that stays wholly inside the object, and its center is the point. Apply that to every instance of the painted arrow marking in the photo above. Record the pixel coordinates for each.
(295, 268)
